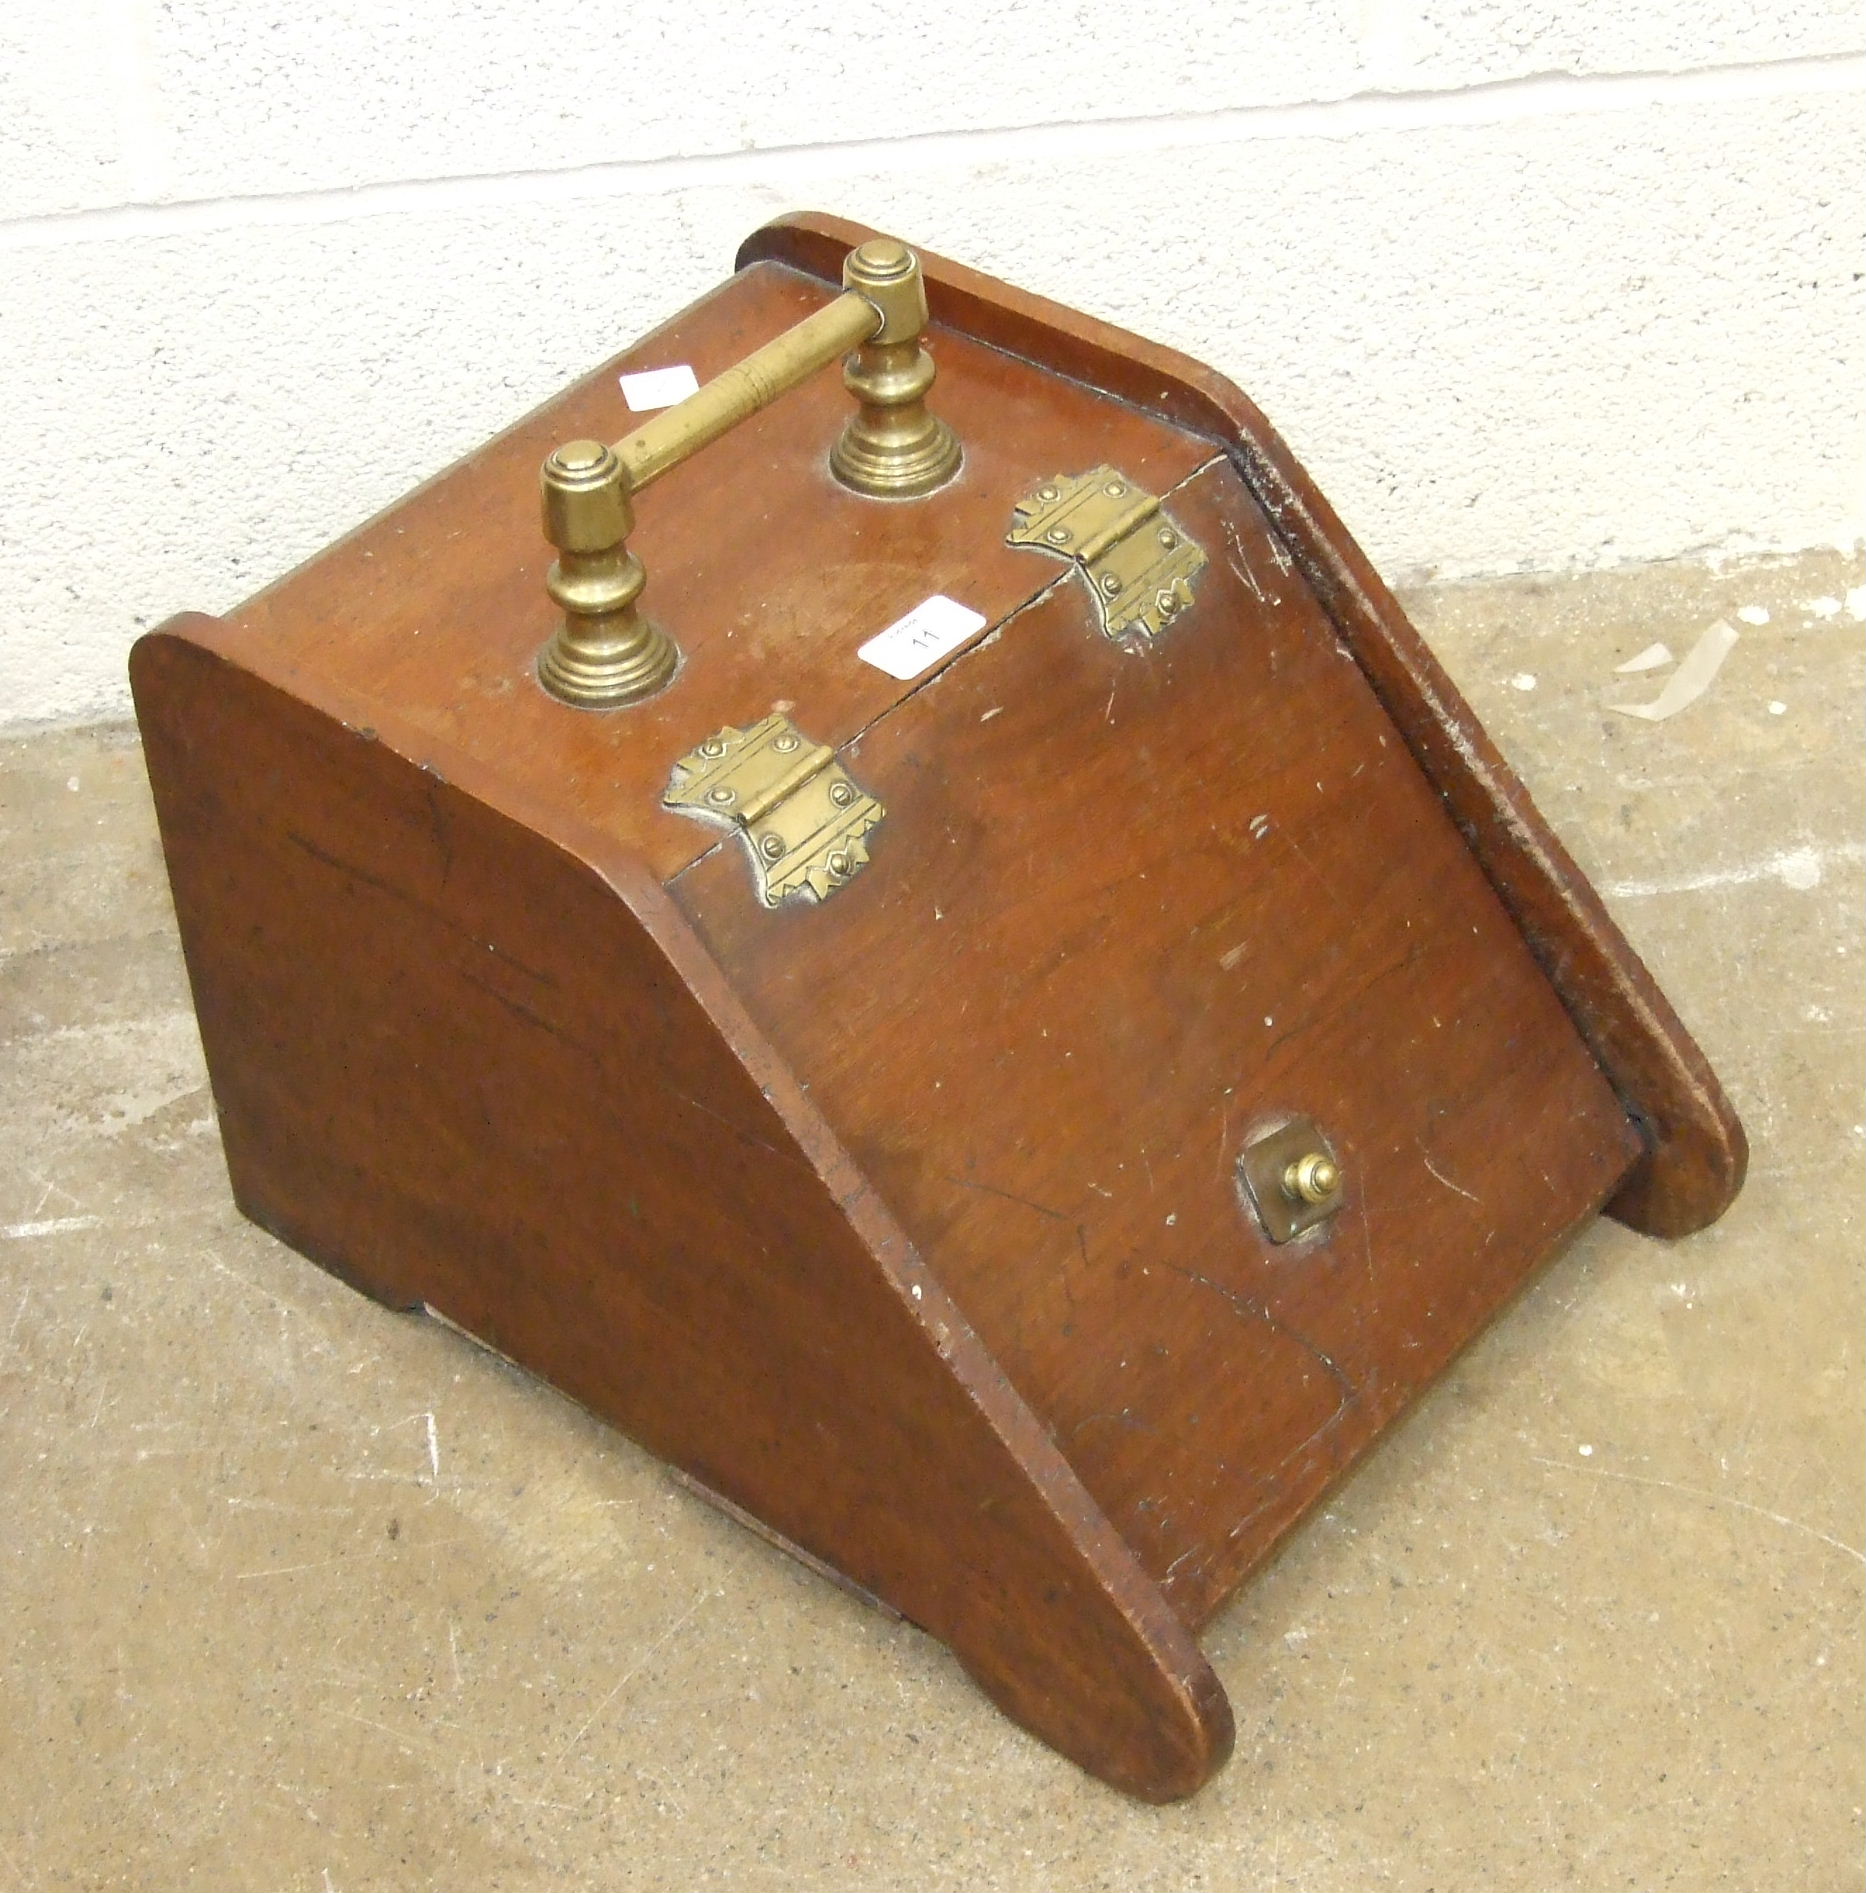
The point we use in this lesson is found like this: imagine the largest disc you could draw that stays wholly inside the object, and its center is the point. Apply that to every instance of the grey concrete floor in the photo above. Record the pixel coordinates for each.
(299, 1594)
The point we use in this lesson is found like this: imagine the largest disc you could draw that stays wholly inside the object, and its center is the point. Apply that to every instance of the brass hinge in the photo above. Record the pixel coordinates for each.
(801, 816)
(1140, 564)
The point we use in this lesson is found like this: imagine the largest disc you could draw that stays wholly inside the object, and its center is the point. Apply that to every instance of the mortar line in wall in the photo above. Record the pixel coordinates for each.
(1549, 95)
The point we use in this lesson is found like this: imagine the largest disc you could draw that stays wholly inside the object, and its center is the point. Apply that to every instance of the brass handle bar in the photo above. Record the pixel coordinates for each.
(606, 653)
(743, 389)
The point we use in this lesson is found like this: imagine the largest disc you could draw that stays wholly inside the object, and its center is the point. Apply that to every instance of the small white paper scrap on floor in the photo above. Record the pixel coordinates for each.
(1691, 679)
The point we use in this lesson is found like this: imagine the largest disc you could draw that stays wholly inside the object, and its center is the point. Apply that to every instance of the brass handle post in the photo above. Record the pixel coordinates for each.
(606, 654)
(892, 448)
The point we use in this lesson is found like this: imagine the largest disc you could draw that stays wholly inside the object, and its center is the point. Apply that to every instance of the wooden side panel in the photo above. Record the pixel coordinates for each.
(465, 1065)
(1695, 1150)
(1127, 908)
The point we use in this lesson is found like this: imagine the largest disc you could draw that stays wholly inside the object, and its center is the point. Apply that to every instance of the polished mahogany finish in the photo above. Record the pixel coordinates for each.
(909, 1223)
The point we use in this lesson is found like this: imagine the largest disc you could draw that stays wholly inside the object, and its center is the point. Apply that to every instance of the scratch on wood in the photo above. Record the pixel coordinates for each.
(1370, 1306)
(519, 1010)
(1444, 1179)
(1255, 1310)
(738, 1130)
(1241, 564)
(407, 898)
(1054, 1215)
(402, 1736)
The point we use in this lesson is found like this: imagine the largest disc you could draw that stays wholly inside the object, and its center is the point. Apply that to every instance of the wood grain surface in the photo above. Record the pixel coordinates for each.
(766, 571)
(1695, 1151)
(908, 1224)
(463, 1065)
(1128, 908)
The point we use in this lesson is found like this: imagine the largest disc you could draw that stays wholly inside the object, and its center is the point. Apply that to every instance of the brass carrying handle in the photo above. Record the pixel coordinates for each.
(607, 653)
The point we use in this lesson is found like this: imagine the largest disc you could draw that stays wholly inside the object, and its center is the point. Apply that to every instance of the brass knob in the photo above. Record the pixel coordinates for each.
(1313, 1178)
(887, 272)
(586, 506)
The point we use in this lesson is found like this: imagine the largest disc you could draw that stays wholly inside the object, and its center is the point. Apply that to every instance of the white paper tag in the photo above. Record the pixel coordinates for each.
(658, 388)
(911, 644)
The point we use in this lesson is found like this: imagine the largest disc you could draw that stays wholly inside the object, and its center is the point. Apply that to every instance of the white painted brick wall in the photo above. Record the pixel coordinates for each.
(1530, 284)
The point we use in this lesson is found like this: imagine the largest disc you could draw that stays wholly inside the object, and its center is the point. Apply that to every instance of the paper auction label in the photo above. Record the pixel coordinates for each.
(658, 388)
(912, 644)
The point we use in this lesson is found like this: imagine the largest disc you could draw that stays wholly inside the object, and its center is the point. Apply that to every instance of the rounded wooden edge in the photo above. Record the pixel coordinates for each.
(1696, 1153)
(1187, 1731)
(1691, 1174)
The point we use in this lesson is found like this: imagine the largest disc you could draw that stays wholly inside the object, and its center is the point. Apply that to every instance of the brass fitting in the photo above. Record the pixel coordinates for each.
(1293, 1179)
(1312, 1178)
(892, 448)
(605, 653)
(887, 272)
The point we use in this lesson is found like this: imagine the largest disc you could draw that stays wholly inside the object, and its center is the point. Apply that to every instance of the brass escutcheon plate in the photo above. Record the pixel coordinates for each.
(1292, 1178)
